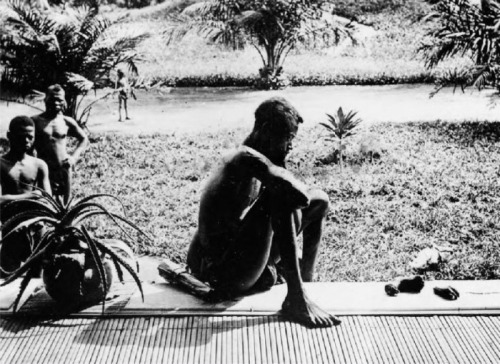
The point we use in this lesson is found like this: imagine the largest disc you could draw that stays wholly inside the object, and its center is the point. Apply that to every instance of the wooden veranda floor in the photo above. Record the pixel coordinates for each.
(251, 339)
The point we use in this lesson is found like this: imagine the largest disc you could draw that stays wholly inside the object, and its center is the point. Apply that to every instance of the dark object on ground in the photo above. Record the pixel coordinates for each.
(179, 275)
(411, 285)
(447, 293)
(406, 285)
(391, 290)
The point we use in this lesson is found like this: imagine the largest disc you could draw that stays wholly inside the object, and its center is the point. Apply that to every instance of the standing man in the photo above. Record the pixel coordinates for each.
(52, 129)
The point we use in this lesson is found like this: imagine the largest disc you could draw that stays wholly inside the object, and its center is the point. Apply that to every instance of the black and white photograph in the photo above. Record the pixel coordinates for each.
(250, 181)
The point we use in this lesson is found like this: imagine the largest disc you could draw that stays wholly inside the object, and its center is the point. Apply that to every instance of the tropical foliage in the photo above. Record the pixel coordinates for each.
(66, 247)
(340, 128)
(74, 49)
(467, 28)
(272, 27)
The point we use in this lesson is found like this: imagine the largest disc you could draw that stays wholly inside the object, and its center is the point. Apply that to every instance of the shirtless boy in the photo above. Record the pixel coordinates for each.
(123, 87)
(20, 173)
(252, 210)
(52, 130)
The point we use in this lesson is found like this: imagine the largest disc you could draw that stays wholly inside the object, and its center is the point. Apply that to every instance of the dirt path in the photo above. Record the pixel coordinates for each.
(195, 110)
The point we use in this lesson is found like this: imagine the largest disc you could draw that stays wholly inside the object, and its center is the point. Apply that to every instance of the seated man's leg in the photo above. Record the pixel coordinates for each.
(244, 257)
(297, 305)
(311, 225)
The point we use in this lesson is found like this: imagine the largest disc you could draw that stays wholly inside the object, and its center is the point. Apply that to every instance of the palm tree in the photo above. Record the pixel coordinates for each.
(73, 49)
(466, 28)
(272, 27)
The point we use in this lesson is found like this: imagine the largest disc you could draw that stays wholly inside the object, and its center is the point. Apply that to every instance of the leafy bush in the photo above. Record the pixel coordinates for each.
(72, 49)
(466, 28)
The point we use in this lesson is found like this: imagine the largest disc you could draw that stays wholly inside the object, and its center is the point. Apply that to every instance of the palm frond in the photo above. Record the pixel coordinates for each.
(27, 223)
(22, 287)
(98, 263)
(33, 259)
(100, 195)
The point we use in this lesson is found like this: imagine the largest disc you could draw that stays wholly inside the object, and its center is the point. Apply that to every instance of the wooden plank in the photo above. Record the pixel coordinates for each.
(446, 344)
(488, 339)
(270, 342)
(179, 338)
(281, 334)
(347, 344)
(140, 337)
(156, 340)
(105, 328)
(493, 332)
(442, 353)
(461, 340)
(382, 342)
(14, 343)
(128, 340)
(364, 341)
(335, 345)
(244, 339)
(394, 332)
(425, 350)
(71, 329)
(252, 345)
(148, 336)
(291, 339)
(164, 343)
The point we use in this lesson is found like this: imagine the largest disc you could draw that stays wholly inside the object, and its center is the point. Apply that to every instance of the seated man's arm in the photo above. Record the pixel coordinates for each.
(278, 180)
(76, 131)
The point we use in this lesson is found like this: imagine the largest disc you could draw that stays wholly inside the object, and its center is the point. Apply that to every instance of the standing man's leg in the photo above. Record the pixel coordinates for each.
(120, 100)
(125, 101)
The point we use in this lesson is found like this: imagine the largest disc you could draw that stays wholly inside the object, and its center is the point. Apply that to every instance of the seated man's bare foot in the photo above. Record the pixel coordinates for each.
(305, 312)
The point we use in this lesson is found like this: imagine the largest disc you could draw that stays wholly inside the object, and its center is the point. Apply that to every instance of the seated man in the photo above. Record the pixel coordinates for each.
(20, 173)
(52, 131)
(252, 210)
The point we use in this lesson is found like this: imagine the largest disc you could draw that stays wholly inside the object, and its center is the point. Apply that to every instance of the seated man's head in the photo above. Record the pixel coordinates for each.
(276, 125)
(21, 134)
(55, 100)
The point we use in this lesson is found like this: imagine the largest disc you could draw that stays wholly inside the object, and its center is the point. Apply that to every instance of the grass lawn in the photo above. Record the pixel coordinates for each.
(436, 183)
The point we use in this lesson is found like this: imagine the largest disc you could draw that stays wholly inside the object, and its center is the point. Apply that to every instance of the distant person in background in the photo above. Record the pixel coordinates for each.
(52, 129)
(123, 87)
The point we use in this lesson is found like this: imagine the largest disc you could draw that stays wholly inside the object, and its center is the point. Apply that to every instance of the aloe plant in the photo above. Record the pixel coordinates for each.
(341, 127)
(66, 247)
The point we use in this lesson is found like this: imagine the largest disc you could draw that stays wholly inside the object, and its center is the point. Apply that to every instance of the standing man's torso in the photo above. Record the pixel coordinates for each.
(50, 139)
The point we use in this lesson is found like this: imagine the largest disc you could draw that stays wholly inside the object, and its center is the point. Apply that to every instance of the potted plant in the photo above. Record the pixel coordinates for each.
(77, 268)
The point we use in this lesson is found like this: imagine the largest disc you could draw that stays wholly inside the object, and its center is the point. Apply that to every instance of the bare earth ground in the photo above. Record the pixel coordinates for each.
(210, 109)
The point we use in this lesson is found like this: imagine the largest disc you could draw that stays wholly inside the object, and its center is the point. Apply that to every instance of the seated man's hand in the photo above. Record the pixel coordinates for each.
(288, 190)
